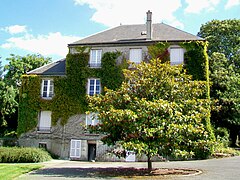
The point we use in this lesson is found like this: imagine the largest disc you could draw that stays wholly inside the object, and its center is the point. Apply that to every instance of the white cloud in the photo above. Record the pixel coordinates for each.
(196, 6)
(15, 29)
(51, 44)
(113, 12)
(232, 3)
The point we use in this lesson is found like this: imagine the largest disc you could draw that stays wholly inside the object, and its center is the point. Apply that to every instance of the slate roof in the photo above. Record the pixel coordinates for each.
(120, 35)
(54, 68)
(133, 33)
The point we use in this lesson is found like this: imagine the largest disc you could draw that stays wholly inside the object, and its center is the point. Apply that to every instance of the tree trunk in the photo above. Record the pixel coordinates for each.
(149, 163)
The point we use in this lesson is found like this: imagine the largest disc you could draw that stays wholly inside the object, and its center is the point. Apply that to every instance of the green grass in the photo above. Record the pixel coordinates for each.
(11, 171)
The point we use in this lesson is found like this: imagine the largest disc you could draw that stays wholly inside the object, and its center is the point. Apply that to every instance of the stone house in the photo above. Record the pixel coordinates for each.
(71, 140)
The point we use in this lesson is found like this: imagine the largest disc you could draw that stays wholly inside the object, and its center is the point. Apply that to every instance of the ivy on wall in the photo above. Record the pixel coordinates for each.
(69, 91)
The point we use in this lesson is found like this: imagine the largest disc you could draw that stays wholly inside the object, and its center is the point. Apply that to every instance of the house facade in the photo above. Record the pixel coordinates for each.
(53, 97)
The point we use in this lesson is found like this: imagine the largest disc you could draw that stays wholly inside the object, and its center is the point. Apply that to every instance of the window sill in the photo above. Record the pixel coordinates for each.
(44, 132)
(47, 98)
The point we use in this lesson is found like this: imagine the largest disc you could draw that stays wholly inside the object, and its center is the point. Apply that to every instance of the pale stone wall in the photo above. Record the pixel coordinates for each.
(124, 49)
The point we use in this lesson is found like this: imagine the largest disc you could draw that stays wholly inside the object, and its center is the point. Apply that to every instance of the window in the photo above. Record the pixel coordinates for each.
(94, 87)
(42, 145)
(47, 88)
(176, 56)
(95, 58)
(75, 148)
(135, 55)
(92, 119)
(44, 121)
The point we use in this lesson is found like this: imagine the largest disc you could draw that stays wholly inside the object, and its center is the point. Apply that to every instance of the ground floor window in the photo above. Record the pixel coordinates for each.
(75, 148)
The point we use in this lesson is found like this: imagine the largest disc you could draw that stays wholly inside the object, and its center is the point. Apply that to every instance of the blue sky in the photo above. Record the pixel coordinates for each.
(47, 26)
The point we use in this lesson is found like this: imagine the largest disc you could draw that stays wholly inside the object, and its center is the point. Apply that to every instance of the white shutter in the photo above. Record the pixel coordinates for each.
(45, 120)
(135, 55)
(75, 148)
(176, 56)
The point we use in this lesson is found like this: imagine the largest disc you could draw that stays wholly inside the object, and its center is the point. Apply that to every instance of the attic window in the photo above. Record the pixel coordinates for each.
(144, 33)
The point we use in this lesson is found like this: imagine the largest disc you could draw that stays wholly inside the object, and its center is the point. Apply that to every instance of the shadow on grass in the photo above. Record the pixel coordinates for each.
(109, 172)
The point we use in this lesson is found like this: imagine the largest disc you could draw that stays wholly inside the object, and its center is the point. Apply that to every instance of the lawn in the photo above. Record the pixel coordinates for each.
(10, 171)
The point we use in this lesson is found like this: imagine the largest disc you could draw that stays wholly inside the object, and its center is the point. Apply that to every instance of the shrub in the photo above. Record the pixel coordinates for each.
(23, 155)
(222, 136)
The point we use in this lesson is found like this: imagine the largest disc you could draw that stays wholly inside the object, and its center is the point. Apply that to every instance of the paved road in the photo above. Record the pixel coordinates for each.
(226, 168)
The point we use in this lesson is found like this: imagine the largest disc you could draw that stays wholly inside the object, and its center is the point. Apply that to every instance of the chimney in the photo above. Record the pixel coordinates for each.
(149, 25)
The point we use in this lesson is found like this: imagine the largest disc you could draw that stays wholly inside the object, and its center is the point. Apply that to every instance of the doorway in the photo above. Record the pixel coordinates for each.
(92, 152)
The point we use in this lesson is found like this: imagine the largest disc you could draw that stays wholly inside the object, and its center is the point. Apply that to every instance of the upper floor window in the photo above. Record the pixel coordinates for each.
(47, 88)
(92, 119)
(95, 58)
(176, 55)
(94, 87)
(44, 121)
(135, 55)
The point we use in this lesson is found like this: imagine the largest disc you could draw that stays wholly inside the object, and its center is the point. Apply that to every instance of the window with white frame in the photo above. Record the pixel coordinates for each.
(92, 119)
(44, 123)
(75, 148)
(94, 87)
(135, 55)
(95, 58)
(176, 56)
(47, 88)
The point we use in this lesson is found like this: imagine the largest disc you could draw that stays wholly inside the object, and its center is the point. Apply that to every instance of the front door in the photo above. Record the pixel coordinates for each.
(91, 152)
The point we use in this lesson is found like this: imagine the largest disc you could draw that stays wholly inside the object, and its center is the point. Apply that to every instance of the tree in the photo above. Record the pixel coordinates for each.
(158, 110)
(9, 83)
(223, 37)
(8, 103)
(225, 93)
(19, 65)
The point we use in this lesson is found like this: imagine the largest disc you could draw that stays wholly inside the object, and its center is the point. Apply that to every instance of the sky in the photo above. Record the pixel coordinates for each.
(46, 26)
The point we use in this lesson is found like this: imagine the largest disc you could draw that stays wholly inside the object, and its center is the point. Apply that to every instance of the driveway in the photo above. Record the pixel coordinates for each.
(226, 168)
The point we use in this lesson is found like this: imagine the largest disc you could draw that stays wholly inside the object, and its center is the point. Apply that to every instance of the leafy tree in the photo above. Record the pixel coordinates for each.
(223, 37)
(158, 110)
(9, 83)
(8, 103)
(19, 65)
(225, 93)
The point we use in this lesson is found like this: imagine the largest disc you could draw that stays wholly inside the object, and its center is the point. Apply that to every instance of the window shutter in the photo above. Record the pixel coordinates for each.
(135, 55)
(176, 56)
(45, 120)
(75, 148)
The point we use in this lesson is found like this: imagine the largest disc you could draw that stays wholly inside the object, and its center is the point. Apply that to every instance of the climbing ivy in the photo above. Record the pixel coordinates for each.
(69, 91)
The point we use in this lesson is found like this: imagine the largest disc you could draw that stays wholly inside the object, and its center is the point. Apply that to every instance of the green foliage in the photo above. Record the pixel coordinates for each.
(223, 37)
(222, 137)
(19, 65)
(111, 73)
(196, 59)
(224, 44)
(225, 94)
(159, 51)
(23, 155)
(10, 81)
(159, 109)
(69, 92)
